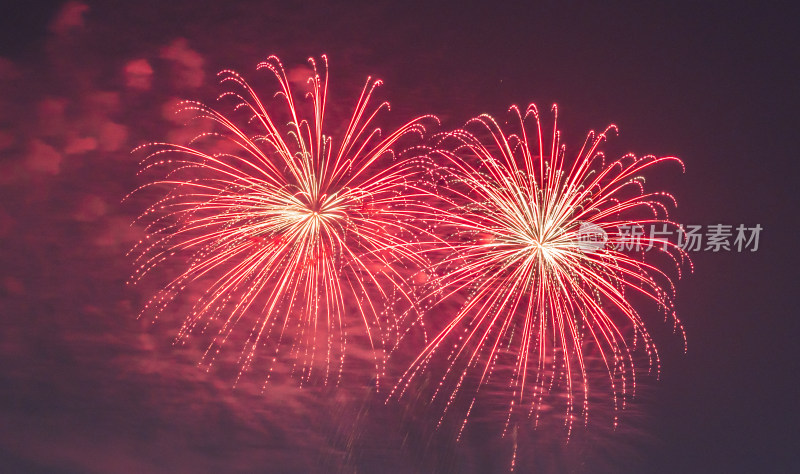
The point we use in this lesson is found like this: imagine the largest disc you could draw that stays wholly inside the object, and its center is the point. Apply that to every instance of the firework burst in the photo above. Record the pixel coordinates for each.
(296, 235)
(533, 294)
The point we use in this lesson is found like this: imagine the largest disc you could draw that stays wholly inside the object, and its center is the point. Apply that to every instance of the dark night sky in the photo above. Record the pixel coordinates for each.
(86, 387)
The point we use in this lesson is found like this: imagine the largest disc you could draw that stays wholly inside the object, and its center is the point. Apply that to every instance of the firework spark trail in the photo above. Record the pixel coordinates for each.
(537, 298)
(284, 227)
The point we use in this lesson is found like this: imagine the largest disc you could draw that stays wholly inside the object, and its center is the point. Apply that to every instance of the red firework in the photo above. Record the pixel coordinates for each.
(300, 236)
(533, 290)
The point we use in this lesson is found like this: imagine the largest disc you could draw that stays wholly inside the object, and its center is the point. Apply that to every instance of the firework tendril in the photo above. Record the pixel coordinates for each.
(295, 234)
(531, 295)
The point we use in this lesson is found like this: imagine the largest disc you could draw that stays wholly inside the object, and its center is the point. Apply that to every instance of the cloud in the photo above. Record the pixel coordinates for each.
(112, 136)
(52, 113)
(299, 77)
(188, 63)
(80, 145)
(117, 231)
(91, 208)
(43, 158)
(6, 139)
(103, 101)
(6, 223)
(69, 18)
(13, 285)
(138, 74)
(8, 70)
